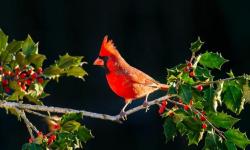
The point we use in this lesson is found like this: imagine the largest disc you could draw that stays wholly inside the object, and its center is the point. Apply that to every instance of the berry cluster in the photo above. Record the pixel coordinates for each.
(48, 139)
(189, 69)
(24, 77)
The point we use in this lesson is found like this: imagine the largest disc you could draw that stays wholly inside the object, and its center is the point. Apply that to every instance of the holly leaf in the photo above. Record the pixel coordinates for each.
(84, 134)
(194, 137)
(202, 73)
(53, 71)
(185, 77)
(10, 51)
(246, 91)
(230, 145)
(169, 129)
(185, 92)
(221, 119)
(3, 41)
(32, 146)
(238, 138)
(37, 59)
(213, 142)
(67, 61)
(233, 98)
(196, 46)
(20, 58)
(212, 60)
(71, 116)
(76, 71)
(71, 126)
(29, 47)
(209, 96)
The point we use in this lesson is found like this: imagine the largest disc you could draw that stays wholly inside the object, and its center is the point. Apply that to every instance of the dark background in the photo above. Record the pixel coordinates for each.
(151, 35)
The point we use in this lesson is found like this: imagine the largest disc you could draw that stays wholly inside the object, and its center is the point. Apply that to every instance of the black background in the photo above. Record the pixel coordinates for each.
(151, 35)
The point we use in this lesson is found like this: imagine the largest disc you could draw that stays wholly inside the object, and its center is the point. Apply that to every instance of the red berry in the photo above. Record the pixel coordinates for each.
(1, 68)
(40, 80)
(161, 110)
(28, 82)
(7, 90)
(204, 126)
(7, 73)
(53, 137)
(31, 140)
(23, 87)
(5, 82)
(39, 133)
(29, 72)
(34, 75)
(203, 112)
(189, 64)
(203, 118)
(199, 87)
(23, 75)
(186, 69)
(39, 70)
(56, 126)
(180, 101)
(186, 107)
(164, 102)
(12, 74)
(192, 74)
(19, 83)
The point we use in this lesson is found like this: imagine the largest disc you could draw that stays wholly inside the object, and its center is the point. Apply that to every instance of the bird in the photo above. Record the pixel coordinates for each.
(125, 80)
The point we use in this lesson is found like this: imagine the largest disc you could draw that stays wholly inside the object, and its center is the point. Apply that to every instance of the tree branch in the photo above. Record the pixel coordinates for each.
(116, 118)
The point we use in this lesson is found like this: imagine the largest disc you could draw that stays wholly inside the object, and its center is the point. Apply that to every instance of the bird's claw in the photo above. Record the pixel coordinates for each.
(145, 105)
(123, 115)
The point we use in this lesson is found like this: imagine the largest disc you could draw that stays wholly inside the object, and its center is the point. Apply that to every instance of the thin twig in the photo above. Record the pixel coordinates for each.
(29, 125)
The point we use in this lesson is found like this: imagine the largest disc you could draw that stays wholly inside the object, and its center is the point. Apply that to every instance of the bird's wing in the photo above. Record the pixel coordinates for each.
(142, 78)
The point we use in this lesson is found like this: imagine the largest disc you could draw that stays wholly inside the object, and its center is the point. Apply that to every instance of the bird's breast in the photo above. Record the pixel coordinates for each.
(121, 84)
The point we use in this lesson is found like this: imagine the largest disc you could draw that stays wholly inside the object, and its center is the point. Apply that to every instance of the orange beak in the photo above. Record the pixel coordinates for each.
(98, 62)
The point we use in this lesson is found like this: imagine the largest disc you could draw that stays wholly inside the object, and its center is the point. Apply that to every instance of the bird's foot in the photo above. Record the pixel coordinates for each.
(146, 105)
(123, 115)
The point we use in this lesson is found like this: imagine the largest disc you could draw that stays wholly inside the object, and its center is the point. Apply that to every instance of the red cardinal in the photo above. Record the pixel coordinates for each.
(125, 80)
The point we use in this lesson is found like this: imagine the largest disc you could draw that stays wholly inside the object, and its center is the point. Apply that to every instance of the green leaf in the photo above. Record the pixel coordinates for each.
(209, 96)
(11, 49)
(212, 60)
(185, 77)
(37, 59)
(76, 71)
(230, 145)
(185, 92)
(202, 73)
(84, 134)
(213, 142)
(169, 129)
(179, 115)
(196, 46)
(32, 146)
(246, 91)
(194, 137)
(53, 71)
(217, 95)
(20, 58)
(67, 61)
(3, 41)
(222, 119)
(71, 116)
(238, 138)
(34, 99)
(233, 98)
(29, 47)
(71, 126)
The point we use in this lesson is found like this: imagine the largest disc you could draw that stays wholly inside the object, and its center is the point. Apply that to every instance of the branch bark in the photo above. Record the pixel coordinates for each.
(59, 110)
